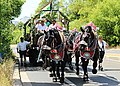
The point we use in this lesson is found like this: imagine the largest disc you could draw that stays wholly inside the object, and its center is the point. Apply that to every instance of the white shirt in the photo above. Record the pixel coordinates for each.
(22, 45)
(40, 27)
(103, 43)
(56, 26)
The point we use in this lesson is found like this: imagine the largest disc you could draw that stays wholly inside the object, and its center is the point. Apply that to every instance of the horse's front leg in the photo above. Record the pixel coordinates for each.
(77, 62)
(84, 67)
(95, 59)
(70, 61)
(58, 70)
(54, 69)
(62, 71)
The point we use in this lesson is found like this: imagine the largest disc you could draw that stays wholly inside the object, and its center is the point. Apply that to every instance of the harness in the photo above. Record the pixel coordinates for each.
(102, 49)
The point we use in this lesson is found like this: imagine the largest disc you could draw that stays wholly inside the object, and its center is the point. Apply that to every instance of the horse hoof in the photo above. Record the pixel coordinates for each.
(85, 77)
(101, 68)
(55, 79)
(50, 69)
(61, 80)
(94, 71)
(71, 68)
(77, 73)
(51, 75)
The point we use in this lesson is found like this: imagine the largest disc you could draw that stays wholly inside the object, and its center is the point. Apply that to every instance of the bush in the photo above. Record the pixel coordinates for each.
(6, 72)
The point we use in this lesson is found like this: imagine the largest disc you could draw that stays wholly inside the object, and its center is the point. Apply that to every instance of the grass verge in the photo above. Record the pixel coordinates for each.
(6, 72)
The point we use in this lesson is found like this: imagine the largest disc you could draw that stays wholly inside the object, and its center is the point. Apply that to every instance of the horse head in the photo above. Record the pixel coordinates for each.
(88, 42)
(87, 38)
(54, 40)
(71, 40)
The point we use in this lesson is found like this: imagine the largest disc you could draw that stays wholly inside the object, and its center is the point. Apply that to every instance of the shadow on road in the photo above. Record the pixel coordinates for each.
(109, 81)
(44, 84)
(111, 69)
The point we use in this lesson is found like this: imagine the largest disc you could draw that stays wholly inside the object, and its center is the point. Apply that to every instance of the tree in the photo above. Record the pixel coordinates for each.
(106, 15)
(8, 10)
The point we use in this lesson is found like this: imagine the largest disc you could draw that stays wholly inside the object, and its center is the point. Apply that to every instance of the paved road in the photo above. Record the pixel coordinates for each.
(35, 76)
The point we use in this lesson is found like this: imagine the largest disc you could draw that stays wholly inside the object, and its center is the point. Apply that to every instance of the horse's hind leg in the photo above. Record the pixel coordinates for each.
(84, 67)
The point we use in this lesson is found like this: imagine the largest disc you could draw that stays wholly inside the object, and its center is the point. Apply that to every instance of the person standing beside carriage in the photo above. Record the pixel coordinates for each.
(21, 49)
(102, 45)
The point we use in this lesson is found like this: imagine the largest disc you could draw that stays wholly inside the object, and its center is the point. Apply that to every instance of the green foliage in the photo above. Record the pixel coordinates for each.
(106, 16)
(8, 10)
(104, 13)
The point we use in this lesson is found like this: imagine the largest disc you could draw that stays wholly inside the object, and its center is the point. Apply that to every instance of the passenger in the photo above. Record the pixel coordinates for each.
(55, 25)
(21, 49)
(47, 22)
(102, 45)
(41, 26)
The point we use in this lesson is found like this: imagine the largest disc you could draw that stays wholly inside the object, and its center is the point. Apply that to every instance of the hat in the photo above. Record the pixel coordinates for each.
(53, 20)
(21, 38)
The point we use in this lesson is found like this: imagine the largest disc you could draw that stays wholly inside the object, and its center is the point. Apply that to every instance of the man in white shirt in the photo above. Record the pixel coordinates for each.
(55, 25)
(102, 45)
(41, 26)
(21, 49)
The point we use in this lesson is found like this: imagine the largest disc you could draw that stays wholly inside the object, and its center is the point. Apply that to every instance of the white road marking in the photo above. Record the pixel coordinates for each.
(112, 60)
(69, 82)
(24, 78)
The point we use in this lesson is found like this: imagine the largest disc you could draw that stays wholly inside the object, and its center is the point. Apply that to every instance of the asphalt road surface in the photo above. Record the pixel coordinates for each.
(110, 76)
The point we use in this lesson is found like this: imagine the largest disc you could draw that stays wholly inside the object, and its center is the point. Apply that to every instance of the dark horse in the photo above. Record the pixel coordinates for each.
(70, 48)
(88, 50)
(53, 43)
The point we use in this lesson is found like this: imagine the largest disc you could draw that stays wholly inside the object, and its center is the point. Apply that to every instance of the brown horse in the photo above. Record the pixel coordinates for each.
(52, 42)
(88, 50)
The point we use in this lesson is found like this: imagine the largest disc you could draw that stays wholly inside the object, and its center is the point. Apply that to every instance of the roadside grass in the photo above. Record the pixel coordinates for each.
(6, 72)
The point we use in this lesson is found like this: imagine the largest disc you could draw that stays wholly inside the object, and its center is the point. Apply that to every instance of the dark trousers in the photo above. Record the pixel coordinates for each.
(101, 56)
(23, 56)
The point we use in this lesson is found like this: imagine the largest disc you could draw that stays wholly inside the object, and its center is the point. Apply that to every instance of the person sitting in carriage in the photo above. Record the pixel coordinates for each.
(40, 26)
(55, 25)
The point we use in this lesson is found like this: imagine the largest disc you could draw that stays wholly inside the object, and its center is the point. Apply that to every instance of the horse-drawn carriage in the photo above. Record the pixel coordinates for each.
(55, 49)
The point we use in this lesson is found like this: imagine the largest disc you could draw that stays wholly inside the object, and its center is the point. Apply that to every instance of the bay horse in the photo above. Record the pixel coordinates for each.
(53, 42)
(88, 50)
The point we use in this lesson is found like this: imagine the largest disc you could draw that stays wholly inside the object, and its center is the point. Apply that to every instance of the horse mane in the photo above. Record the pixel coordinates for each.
(94, 40)
(92, 32)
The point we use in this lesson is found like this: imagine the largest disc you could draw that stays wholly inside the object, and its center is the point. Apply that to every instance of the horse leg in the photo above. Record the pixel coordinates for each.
(70, 62)
(54, 69)
(84, 67)
(62, 72)
(58, 72)
(77, 63)
(95, 59)
(51, 68)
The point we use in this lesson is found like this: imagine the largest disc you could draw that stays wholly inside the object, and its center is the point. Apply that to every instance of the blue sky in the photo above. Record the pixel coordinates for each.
(28, 8)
